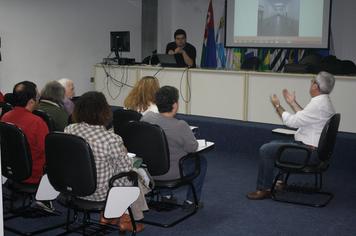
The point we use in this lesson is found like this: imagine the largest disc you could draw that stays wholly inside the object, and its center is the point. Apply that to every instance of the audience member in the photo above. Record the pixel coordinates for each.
(69, 94)
(309, 121)
(181, 140)
(1, 97)
(91, 114)
(184, 52)
(142, 96)
(51, 101)
(26, 98)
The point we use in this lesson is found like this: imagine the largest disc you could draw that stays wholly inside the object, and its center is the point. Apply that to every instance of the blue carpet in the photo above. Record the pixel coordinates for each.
(228, 212)
(232, 171)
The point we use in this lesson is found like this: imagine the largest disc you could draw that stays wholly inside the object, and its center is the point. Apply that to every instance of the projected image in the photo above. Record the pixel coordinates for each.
(278, 17)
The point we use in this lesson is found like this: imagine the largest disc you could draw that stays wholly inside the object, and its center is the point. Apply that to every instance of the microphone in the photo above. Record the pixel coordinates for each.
(154, 52)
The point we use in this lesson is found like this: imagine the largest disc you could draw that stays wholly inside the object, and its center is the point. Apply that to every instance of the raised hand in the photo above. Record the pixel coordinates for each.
(289, 97)
(275, 100)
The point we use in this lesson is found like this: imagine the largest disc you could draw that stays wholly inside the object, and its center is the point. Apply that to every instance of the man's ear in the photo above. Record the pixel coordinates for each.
(175, 106)
(31, 104)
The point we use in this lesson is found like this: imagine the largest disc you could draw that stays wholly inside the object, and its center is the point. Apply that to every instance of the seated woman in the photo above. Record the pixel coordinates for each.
(51, 102)
(91, 114)
(142, 96)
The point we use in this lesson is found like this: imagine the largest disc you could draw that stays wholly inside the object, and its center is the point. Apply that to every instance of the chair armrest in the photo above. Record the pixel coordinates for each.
(293, 164)
(131, 175)
(196, 172)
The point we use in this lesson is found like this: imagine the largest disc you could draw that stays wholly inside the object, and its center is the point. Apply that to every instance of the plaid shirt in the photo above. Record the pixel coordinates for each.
(110, 156)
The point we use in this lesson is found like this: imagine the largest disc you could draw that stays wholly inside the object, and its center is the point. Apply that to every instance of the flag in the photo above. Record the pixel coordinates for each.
(279, 58)
(221, 63)
(208, 57)
(238, 57)
(264, 56)
(229, 58)
(251, 52)
(301, 53)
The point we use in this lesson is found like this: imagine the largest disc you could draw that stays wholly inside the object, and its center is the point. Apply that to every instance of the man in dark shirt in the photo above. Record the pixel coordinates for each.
(184, 52)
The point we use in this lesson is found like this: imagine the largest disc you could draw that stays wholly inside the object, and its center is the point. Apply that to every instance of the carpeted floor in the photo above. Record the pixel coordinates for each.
(228, 212)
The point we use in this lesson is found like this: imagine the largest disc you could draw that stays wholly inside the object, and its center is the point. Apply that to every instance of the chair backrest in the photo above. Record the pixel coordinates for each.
(9, 98)
(122, 116)
(16, 160)
(5, 107)
(46, 117)
(148, 142)
(328, 138)
(70, 164)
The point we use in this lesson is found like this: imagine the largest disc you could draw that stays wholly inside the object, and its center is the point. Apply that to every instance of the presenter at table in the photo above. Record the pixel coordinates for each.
(185, 52)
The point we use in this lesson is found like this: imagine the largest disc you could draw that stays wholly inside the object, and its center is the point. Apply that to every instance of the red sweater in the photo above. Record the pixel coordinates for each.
(35, 130)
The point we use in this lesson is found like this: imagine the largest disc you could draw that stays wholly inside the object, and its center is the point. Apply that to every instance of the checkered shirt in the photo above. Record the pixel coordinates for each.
(110, 156)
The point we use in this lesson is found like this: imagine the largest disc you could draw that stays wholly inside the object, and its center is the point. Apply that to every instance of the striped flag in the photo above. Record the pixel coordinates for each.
(208, 58)
(279, 58)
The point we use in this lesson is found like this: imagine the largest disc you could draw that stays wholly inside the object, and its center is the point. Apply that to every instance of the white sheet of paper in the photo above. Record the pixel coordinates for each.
(284, 131)
(132, 155)
(193, 127)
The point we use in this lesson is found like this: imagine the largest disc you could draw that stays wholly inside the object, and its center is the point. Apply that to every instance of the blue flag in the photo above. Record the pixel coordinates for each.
(208, 57)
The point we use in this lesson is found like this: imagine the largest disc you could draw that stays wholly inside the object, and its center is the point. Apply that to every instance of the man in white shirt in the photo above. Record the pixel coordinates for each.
(309, 121)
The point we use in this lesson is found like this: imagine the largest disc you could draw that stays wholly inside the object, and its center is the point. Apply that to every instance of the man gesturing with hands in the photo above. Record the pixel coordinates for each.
(309, 121)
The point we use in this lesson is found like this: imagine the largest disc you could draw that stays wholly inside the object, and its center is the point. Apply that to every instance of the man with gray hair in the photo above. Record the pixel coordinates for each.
(51, 102)
(309, 121)
(69, 94)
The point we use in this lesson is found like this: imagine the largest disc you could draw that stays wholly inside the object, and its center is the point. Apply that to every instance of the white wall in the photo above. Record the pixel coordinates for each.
(343, 29)
(190, 15)
(44, 40)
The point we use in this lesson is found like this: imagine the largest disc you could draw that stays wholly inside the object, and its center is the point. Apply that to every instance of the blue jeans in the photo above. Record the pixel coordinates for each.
(198, 182)
(268, 155)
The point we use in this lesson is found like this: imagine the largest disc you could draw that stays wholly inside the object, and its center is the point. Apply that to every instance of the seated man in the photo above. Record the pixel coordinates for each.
(309, 121)
(181, 140)
(68, 95)
(184, 52)
(51, 102)
(26, 99)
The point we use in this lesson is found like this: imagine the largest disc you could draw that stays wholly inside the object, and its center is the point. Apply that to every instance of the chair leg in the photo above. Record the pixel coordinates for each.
(286, 178)
(273, 187)
(170, 224)
(132, 221)
(309, 191)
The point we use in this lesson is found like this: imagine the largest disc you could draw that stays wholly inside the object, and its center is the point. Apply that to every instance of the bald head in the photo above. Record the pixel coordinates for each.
(68, 86)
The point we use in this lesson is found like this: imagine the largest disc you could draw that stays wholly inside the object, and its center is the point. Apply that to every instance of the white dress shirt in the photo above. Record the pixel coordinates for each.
(311, 120)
